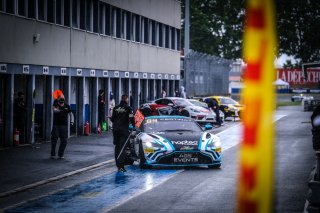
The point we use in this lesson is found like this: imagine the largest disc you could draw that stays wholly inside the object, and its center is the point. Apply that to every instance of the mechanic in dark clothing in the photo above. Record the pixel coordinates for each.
(20, 116)
(101, 107)
(61, 111)
(213, 104)
(122, 116)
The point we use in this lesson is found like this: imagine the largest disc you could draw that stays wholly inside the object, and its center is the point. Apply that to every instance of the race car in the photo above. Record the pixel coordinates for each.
(203, 104)
(228, 106)
(174, 141)
(301, 97)
(165, 106)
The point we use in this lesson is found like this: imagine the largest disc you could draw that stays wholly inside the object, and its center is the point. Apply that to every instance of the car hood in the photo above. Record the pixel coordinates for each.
(199, 109)
(180, 140)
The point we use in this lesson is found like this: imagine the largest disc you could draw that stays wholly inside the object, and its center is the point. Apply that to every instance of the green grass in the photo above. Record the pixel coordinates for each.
(288, 103)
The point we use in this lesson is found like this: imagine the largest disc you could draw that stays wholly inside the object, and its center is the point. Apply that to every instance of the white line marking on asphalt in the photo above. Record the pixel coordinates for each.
(42, 182)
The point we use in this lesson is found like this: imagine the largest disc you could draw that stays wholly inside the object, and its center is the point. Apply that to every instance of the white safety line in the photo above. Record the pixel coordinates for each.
(42, 182)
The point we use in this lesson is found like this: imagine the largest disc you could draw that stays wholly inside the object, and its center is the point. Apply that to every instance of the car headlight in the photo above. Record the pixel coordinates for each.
(215, 143)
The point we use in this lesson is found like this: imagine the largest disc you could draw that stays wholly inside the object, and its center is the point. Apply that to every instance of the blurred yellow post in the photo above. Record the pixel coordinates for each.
(255, 192)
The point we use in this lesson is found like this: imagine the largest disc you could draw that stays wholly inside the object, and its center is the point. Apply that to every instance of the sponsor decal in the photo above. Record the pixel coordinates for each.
(186, 158)
(185, 143)
(186, 148)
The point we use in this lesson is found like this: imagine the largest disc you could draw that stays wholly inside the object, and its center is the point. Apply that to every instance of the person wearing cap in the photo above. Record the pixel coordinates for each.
(61, 111)
(122, 116)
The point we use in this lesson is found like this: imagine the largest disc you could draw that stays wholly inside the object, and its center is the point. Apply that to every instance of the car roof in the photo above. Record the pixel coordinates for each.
(167, 116)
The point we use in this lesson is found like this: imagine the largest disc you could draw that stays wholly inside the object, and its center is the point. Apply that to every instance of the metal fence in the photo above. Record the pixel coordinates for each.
(206, 74)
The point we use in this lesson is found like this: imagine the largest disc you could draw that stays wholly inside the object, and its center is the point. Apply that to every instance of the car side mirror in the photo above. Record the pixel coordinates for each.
(208, 127)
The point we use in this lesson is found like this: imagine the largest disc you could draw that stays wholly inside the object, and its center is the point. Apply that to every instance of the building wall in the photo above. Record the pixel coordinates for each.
(61, 46)
(165, 11)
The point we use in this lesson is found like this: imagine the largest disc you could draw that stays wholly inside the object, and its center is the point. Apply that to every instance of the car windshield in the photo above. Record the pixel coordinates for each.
(227, 101)
(198, 103)
(170, 124)
(182, 102)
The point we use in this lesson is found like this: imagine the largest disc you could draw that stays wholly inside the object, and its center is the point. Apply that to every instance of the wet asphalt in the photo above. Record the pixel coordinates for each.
(183, 189)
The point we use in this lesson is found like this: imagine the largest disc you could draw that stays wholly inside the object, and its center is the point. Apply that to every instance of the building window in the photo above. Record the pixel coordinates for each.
(178, 40)
(167, 33)
(124, 24)
(118, 22)
(128, 26)
(50, 11)
(137, 28)
(108, 20)
(75, 13)
(113, 21)
(58, 11)
(153, 32)
(82, 14)
(101, 18)
(88, 13)
(10, 6)
(41, 10)
(32, 9)
(160, 36)
(132, 27)
(146, 30)
(66, 13)
(173, 38)
(95, 16)
(21, 8)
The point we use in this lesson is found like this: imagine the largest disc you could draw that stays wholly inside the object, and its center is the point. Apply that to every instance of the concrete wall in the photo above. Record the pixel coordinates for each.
(164, 11)
(61, 46)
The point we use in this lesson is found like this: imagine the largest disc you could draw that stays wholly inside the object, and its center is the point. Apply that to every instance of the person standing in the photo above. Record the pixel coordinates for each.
(182, 92)
(163, 93)
(122, 116)
(101, 107)
(61, 111)
(20, 116)
(213, 104)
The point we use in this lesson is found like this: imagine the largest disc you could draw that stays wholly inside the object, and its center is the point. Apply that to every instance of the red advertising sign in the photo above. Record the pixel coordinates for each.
(296, 78)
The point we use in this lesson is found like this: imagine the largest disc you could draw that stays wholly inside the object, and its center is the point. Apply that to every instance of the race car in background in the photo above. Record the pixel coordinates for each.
(228, 106)
(300, 97)
(166, 106)
(174, 141)
(203, 104)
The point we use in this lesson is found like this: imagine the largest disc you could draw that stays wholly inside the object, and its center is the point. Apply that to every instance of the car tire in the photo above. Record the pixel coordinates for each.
(214, 166)
(185, 113)
(292, 99)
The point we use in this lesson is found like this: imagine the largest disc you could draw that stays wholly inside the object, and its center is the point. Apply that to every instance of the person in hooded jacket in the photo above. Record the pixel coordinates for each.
(122, 116)
(182, 92)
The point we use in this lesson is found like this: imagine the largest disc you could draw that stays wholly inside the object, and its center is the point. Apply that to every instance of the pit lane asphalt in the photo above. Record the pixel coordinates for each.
(194, 189)
(203, 190)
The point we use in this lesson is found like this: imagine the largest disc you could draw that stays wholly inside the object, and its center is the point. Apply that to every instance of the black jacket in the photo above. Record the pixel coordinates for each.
(213, 104)
(60, 114)
(122, 116)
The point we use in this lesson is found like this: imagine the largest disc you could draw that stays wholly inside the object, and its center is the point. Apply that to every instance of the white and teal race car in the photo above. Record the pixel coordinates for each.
(174, 141)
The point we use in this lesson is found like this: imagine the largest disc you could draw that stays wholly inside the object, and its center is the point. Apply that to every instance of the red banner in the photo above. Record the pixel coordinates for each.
(296, 78)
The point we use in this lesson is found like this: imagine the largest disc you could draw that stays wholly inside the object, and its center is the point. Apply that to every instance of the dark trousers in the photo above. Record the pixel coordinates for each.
(218, 119)
(62, 133)
(119, 139)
